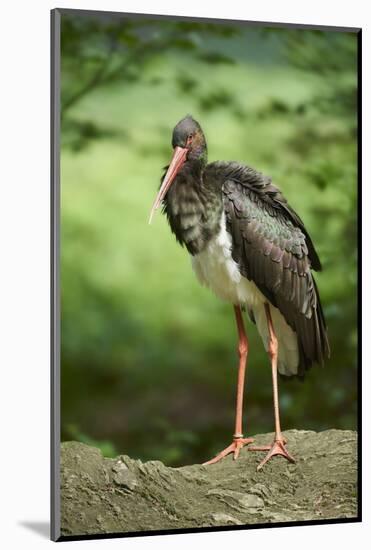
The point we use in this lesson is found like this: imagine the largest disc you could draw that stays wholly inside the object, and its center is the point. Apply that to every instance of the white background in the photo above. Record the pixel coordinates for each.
(24, 271)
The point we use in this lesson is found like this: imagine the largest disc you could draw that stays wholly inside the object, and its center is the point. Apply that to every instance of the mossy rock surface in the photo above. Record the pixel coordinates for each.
(102, 495)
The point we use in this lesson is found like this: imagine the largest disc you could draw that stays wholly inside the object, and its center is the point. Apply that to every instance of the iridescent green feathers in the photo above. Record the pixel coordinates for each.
(272, 248)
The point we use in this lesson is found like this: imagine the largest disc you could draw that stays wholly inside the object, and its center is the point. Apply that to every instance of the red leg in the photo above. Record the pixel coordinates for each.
(238, 440)
(278, 445)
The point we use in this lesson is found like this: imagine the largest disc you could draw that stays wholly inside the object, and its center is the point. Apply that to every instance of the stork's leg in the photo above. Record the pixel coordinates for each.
(278, 446)
(238, 440)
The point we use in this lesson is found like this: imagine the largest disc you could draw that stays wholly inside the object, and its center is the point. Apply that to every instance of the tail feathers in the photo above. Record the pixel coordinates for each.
(302, 341)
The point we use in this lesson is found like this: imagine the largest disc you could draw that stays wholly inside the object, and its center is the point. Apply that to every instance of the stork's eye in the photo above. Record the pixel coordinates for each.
(189, 139)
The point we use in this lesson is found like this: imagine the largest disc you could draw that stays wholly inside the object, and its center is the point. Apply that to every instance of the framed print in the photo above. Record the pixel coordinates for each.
(205, 282)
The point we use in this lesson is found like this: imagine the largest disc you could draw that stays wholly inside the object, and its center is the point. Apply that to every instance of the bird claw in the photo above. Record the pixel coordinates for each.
(235, 448)
(276, 448)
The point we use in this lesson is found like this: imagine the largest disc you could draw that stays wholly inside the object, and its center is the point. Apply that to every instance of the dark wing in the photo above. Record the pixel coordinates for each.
(273, 249)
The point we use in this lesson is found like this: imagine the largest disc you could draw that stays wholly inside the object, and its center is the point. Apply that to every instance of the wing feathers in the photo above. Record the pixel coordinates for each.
(273, 249)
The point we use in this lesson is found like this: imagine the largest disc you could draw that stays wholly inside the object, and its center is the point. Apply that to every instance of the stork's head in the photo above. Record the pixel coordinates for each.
(189, 145)
(188, 135)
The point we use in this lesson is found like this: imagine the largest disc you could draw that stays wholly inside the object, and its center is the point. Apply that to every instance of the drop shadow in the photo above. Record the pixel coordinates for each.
(42, 528)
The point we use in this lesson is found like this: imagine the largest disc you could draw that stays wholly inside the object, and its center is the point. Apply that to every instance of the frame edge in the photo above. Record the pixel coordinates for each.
(55, 532)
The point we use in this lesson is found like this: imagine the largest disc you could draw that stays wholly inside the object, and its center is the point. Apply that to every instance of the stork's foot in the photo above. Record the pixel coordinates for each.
(278, 447)
(234, 447)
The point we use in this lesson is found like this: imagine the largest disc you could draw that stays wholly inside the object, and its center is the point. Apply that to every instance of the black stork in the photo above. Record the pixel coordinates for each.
(251, 249)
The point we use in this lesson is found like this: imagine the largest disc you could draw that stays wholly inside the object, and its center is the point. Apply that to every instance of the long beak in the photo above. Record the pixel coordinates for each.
(179, 157)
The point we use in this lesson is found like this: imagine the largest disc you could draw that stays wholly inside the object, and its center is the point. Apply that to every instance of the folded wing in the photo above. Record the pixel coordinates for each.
(272, 248)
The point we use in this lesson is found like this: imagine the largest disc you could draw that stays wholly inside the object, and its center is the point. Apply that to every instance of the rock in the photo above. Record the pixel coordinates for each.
(237, 500)
(224, 519)
(124, 477)
(102, 495)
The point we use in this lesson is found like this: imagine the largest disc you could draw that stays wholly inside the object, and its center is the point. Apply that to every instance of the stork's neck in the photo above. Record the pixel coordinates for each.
(193, 169)
(193, 207)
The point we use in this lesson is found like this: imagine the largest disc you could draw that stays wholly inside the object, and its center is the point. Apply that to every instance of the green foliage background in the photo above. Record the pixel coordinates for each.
(148, 356)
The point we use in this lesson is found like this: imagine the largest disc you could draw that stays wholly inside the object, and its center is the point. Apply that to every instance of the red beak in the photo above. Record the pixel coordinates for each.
(179, 157)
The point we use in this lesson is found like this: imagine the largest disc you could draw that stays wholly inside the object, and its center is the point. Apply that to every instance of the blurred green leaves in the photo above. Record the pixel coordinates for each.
(78, 134)
(98, 52)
